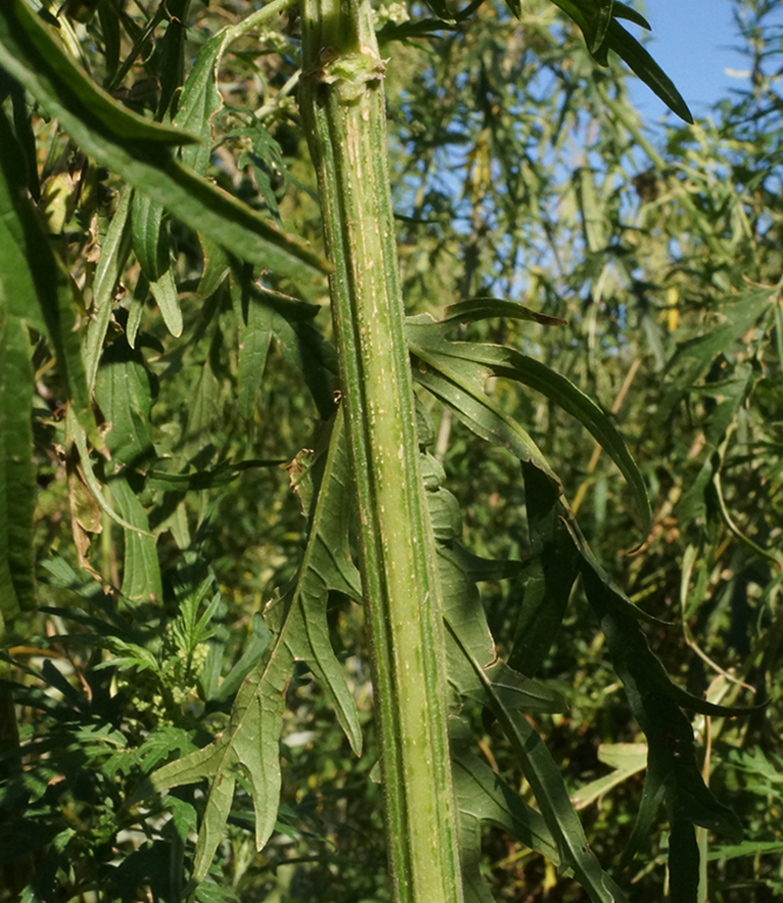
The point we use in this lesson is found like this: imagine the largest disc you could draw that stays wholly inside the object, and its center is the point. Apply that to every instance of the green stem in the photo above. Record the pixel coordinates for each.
(343, 109)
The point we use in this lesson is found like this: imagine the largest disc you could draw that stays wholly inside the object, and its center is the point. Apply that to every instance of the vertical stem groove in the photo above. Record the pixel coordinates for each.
(343, 108)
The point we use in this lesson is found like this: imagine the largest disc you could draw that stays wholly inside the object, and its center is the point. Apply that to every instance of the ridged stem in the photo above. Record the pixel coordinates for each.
(343, 107)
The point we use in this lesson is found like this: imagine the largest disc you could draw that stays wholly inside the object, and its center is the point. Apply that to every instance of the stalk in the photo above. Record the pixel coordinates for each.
(342, 103)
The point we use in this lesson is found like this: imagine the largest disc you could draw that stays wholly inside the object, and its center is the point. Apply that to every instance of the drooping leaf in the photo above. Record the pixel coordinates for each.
(550, 792)
(475, 670)
(549, 578)
(592, 17)
(483, 308)
(656, 702)
(141, 578)
(468, 629)
(598, 21)
(483, 798)
(33, 284)
(255, 335)
(672, 772)
(298, 621)
(459, 384)
(464, 613)
(643, 65)
(467, 364)
(620, 618)
(125, 391)
(137, 149)
(78, 437)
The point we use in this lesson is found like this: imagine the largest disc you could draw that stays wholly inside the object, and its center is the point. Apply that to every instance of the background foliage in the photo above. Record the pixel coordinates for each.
(521, 172)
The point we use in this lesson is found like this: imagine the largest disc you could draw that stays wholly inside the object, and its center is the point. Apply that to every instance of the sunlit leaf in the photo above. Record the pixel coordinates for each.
(626, 760)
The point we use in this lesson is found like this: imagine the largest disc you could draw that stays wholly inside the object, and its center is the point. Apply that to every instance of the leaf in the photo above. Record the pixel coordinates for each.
(468, 630)
(467, 364)
(79, 438)
(672, 771)
(249, 744)
(110, 29)
(137, 149)
(303, 345)
(327, 567)
(623, 11)
(124, 389)
(483, 798)
(222, 475)
(413, 28)
(255, 335)
(592, 16)
(441, 9)
(17, 478)
(748, 848)
(199, 101)
(545, 779)
(627, 759)
(640, 62)
(592, 213)
(207, 892)
(153, 251)
(216, 267)
(598, 21)
(114, 254)
(736, 319)
(482, 308)
(141, 578)
(266, 159)
(459, 384)
(33, 284)
(464, 612)
(259, 640)
(26, 28)
(507, 693)
(550, 577)
(631, 654)
(161, 743)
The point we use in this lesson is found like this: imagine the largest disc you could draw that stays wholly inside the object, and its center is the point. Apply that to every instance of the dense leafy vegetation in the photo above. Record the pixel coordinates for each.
(594, 318)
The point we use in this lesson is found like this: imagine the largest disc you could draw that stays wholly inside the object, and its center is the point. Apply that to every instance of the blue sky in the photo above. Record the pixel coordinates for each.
(692, 41)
